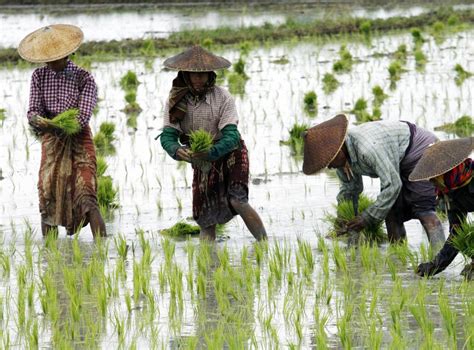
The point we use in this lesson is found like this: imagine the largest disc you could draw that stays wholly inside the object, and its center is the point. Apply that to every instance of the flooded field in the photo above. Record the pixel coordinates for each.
(138, 289)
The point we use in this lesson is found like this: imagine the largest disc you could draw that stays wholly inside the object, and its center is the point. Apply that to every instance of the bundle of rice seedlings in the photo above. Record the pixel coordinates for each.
(345, 213)
(129, 81)
(330, 83)
(296, 140)
(182, 228)
(104, 138)
(106, 193)
(310, 101)
(132, 105)
(462, 127)
(101, 166)
(66, 121)
(200, 141)
(464, 239)
(379, 95)
(2, 114)
(461, 74)
(344, 64)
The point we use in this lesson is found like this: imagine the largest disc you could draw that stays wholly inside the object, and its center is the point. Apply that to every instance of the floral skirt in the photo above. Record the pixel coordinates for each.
(67, 183)
(212, 190)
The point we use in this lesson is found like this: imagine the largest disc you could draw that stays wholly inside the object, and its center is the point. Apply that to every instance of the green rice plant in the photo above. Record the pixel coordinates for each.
(345, 62)
(132, 107)
(129, 81)
(330, 83)
(379, 96)
(462, 127)
(296, 140)
(418, 310)
(66, 122)
(339, 257)
(453, 20)
(236, 83)
(461, 74)
(420, 59)
(101, 166)
(418, 39)
(3, 115)
(180, 229)
(395, 69)
(121, 246)
(106, 193)
(310, 101)
(345, 213)
(365, 27)
(239, 68)
(463, 240)
(401, 54)
(449, 318)
(200, 141)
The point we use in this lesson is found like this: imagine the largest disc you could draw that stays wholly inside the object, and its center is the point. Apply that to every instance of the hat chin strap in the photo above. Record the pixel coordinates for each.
(348, 171)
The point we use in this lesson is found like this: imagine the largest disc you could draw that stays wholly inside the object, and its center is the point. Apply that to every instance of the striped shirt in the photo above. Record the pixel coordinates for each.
(376, 150)
(211, 114)
(53, 92)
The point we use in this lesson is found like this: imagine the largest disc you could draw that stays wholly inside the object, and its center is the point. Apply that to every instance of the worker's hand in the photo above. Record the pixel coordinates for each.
(357, 224)
(183, 154)
(200, 156)
(426, 269)
(41, 126)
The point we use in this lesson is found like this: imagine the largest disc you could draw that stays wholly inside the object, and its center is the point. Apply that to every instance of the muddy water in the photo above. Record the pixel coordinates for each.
(291, 205)
(145, 23)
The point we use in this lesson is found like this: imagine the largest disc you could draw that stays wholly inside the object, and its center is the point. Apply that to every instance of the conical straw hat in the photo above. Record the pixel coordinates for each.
(441, 157)
(323, 142)
(196, 59)
(50, 43)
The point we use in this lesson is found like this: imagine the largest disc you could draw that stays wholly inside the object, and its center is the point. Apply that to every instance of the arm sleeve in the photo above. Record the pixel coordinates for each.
(36, 106)
(390, 185)
(166, 119)
(87, 100)
(229, 141)
(169, 141)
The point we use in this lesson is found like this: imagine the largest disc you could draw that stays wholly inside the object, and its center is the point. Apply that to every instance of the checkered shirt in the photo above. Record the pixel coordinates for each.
(211, 114)
(376, 150)
(52, 93)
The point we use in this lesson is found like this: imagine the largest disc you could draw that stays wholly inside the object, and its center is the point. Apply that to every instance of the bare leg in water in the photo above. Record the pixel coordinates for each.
(208, 233)
(251, 218)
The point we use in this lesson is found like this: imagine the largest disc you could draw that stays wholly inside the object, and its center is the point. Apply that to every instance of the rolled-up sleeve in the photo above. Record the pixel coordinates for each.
(36, 106)
(87, 100)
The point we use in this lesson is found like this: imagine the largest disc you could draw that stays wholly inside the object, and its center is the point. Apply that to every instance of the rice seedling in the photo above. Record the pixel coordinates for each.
(106, 193)
(104, 138)
(3, 115)
(417, 37)
(420, 59)
(239, 68)
(449, 318)
(462, 127)
(464, 238)
(296, 140)
(379, 96)
(236, 83)
(461, 74)
(365, 27)
(121, 246)
(345, 62)
(310, 102)
(200, 141)
(132, 107)
(330, 83)
(345, 213)
(66, 122)
(360, 111)
(129, 81)
(401, 54)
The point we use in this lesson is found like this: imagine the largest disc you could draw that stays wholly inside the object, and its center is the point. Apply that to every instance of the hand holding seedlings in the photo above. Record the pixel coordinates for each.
(200, 156)
(357, 224)
(183, 154)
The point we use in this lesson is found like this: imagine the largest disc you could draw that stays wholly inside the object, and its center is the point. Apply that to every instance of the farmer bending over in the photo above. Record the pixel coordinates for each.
(385, 150)
(221, 191)
(67, 178)
(446, 164)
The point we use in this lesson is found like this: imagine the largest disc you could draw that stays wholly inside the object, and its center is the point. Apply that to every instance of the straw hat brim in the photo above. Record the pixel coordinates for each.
(50, 43)
(441, 157)
(196, 59)
(323, 142)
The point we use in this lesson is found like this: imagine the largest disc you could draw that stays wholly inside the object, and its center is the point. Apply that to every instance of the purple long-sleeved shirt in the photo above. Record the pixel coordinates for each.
(52, 93)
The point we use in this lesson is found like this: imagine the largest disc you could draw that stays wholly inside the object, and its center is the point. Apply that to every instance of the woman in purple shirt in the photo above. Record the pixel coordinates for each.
(67, 183)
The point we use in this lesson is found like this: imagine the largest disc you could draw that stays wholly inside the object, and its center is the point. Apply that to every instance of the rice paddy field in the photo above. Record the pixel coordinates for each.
(301, 289)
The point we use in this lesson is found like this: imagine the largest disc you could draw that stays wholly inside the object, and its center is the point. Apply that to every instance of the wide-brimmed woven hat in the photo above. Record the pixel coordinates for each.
(51, 43)
(323, 142)
(196, 59)
(441, 157)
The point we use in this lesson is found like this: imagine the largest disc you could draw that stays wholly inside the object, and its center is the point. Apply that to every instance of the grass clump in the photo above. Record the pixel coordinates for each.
(66, 122)
(129, 81)
(296, 140)
(461, 74)
(462, 127)
(345, 213)
(310, 102)
(330, 83)
(344, 64)
(464, 239)
(200, 141)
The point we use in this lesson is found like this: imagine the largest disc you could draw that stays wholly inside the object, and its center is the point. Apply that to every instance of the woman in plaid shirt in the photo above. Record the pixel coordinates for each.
(196, 103)
(67, 178)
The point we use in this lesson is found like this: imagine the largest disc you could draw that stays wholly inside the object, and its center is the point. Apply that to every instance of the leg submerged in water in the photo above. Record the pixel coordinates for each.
(433, 228)
(251, 218)
(48, 229)
(208, 233)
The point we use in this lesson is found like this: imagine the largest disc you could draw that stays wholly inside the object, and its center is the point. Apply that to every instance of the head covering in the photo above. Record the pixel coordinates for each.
(323, 142)
(181, 87)
(441, 157)
(51, 43)
(196, 59)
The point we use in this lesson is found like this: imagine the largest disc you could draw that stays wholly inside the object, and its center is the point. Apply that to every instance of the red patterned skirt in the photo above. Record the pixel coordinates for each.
(67, 183)
(228, 178)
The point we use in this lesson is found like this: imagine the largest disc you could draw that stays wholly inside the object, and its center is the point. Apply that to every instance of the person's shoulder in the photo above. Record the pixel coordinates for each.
(38, 72)
(221, 92)
(79, 70)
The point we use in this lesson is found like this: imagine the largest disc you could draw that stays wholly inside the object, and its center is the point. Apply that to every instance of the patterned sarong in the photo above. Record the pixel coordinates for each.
(227, 178)
(67, 184)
